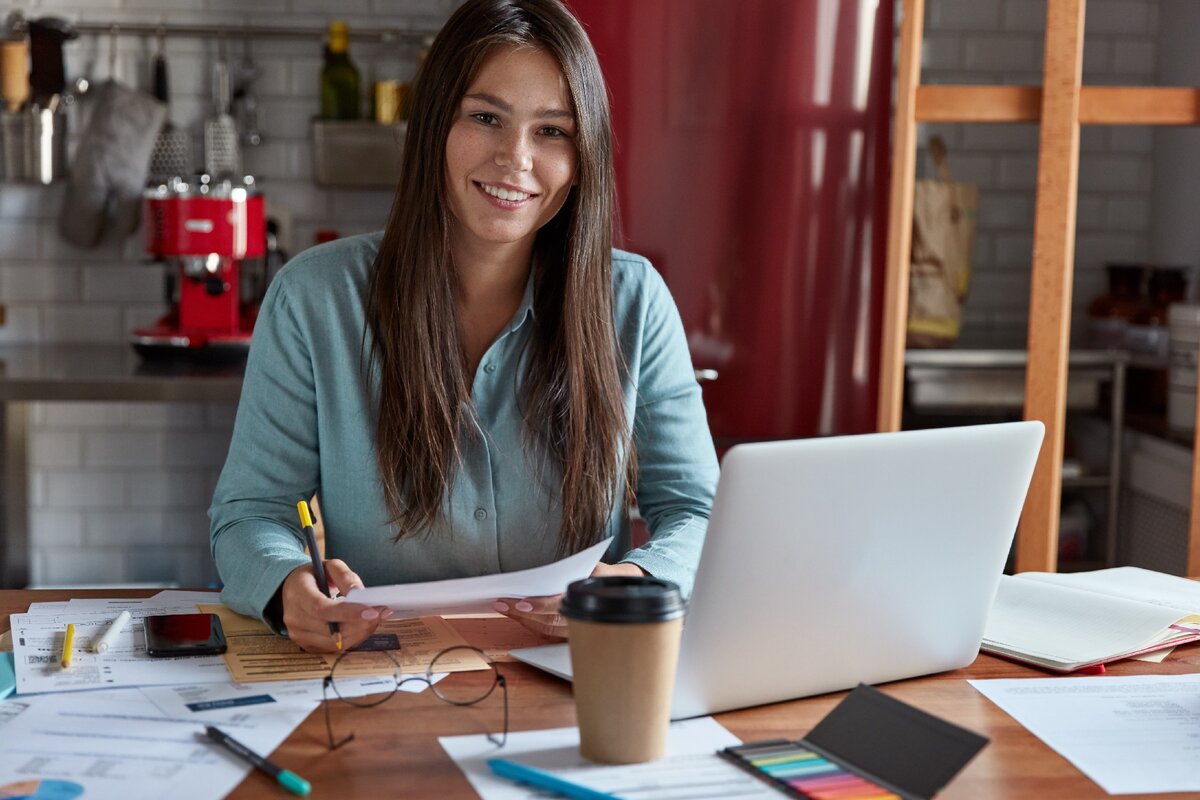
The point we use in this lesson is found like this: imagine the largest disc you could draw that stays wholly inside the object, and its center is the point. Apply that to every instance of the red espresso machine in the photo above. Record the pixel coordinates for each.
(206, 232)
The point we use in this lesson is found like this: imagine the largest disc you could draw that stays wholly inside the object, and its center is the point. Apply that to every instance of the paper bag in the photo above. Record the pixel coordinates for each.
(944, 215)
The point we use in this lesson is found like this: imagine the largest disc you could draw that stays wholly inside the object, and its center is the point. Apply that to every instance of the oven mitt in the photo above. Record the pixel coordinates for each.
(111, 165)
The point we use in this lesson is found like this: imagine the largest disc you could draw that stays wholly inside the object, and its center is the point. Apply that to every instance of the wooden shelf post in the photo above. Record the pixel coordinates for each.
(1053, 267)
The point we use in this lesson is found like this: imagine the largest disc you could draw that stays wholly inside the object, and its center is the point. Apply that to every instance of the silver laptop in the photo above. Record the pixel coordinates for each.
(831, 562)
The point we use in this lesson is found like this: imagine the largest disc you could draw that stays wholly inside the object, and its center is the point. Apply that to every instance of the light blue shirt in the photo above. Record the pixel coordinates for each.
(305, 425)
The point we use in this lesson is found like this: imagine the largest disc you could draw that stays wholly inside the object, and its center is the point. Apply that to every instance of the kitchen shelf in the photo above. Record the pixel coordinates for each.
(959, 382)
(240, 32)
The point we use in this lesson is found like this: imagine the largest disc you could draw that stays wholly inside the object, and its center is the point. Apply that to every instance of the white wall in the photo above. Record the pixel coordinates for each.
(1001, 42)
(1175, 234)
(119, 492)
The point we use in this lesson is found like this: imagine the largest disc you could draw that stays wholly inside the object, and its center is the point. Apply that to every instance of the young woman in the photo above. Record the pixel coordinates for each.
(483, 386)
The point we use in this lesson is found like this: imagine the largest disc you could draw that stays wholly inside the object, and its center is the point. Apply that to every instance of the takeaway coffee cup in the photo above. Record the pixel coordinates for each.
(624, 639)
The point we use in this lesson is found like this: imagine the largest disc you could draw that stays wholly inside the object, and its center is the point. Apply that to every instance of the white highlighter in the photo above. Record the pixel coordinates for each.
(110, 635)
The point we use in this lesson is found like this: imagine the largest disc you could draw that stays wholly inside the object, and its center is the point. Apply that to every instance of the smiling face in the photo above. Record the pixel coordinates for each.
(510, 155)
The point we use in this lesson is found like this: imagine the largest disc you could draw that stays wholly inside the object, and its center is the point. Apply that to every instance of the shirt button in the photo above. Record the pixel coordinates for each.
(489, 368)
(481, 514)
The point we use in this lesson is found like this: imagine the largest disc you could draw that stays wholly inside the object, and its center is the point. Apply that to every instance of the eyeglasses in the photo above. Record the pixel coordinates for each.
(344, 677)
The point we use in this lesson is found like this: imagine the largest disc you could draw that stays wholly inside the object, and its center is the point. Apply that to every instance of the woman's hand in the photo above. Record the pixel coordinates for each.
(307, 612)
(540, 614)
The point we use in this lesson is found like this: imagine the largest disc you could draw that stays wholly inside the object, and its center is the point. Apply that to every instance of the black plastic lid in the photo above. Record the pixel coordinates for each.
(622, 599)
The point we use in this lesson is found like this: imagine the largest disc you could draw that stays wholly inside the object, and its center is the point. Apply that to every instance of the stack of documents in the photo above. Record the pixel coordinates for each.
(37, 646)
(1073, 621)
(60, 740)
(143, 742)
(121, 724)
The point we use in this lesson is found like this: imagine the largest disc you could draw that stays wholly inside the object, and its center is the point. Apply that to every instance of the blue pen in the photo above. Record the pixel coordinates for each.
(544, 780)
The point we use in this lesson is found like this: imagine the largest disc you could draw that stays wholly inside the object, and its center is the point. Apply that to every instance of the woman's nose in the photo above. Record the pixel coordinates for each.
(515, 152)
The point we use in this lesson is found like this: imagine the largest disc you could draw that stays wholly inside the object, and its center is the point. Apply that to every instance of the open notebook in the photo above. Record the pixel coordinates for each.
(1068, 622)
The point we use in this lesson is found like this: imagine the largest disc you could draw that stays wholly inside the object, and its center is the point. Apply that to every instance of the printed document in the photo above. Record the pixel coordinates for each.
(118, 744)
(37, 650)
(690, 769)
(472, 595)
(1130, 735)
(256, 653)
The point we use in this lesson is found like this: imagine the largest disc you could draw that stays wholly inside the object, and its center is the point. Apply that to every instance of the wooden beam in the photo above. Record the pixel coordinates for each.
(1193, 546)
(1098, 105)
(979, 103)
(1050, 292)
(900, 214)
(1139, 105)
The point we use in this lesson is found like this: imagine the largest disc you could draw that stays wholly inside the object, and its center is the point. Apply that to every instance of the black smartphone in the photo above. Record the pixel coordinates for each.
(184, 635)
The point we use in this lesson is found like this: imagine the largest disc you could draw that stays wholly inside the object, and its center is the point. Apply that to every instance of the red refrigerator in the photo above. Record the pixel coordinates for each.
(752, 166)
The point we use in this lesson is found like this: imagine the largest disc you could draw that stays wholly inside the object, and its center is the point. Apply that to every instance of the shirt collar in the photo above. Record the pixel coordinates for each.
(526, 308)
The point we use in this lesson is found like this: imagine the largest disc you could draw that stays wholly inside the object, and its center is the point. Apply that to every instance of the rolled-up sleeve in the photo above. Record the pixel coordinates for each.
(272, 463)
(676, 461)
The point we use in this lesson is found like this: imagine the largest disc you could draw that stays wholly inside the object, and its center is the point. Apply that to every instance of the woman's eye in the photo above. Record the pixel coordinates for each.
(553, 132)
(485, 118)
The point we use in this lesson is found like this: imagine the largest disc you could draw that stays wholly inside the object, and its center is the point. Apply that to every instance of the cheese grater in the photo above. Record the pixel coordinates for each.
(222, 154)
(172, 153)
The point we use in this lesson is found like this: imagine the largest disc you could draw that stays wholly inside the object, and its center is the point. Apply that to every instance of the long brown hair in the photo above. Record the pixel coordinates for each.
(571, 388)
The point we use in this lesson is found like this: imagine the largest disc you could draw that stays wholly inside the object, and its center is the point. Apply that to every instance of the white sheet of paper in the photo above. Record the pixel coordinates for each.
(172, 596)
(202, 699)
(470, 595)
(1130, 735)
(1133, 583)
(690, 769)
(117, 744)
(37, 649)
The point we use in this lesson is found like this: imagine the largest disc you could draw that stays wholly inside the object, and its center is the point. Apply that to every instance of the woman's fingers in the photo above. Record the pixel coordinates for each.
(341, 577)
(307, 612)
(623, 568)
(311, 631)
(539, 614)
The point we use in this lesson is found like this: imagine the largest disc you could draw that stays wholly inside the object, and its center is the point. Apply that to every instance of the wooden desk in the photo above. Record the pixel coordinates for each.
(396, 752)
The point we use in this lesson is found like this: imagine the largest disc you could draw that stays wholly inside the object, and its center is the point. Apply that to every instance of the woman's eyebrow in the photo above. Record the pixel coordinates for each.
(541, 113)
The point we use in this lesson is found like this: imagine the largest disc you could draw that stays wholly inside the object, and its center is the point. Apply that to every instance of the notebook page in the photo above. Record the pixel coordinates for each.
(1070, 626)
(1132, 583)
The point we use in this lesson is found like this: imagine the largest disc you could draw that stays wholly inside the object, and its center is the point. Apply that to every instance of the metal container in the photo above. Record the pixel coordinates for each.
(1184, 326)
(357, 152)
(33, 146)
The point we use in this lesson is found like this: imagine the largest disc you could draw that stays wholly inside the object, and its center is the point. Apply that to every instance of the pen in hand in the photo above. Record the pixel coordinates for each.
(310, 537)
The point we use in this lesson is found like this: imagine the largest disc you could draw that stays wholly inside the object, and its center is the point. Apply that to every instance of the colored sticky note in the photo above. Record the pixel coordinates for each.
(8, 675)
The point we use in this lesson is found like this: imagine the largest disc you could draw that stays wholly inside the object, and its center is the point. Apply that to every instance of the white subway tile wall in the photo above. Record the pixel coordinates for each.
(119, 492)
(1001, 42)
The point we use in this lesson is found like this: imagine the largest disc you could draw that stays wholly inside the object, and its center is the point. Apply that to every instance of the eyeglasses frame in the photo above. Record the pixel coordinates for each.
(498, 679)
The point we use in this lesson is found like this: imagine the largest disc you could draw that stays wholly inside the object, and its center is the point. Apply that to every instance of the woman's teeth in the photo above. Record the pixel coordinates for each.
(505, 194)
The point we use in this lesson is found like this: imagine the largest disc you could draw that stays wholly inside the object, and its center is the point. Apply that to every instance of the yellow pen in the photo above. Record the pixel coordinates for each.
(68, 641)
(310, 536)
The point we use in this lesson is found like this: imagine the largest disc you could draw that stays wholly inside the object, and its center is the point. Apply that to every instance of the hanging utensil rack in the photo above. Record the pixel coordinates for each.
(382, 36)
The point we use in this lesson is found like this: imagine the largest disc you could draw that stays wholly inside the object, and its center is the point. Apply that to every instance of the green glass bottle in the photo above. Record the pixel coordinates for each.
(339, 77)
